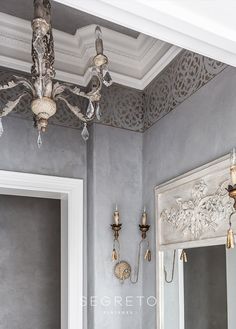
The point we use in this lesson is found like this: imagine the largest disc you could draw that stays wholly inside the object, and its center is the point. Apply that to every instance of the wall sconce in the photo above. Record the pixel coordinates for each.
(230, 243)
(123, 269)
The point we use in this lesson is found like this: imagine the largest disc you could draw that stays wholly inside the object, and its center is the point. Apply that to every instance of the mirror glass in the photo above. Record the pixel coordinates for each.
(199, 293)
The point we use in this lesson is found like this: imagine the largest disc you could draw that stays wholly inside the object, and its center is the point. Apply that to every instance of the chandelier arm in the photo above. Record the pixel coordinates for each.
(26, 83)
(93, 95)
(76, 110)
(58, 89)
(9, 107)
(95, 90)
(12, 84)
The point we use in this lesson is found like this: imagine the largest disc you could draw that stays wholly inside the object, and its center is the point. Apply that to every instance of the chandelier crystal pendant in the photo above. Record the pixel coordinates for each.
(44, 92)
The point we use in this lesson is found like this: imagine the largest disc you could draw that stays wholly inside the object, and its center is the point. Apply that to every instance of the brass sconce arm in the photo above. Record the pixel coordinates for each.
(232, 193)
(122, 269)
(116, 228)
(144, 229)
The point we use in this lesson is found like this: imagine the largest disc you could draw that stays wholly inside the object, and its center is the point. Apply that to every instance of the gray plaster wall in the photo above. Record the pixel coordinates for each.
(205, 288)
(115, 176)
(199, 130)
(63, 152)
(29, 263)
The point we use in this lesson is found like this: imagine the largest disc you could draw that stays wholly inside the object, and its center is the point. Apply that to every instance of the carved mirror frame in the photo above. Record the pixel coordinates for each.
(192, 210)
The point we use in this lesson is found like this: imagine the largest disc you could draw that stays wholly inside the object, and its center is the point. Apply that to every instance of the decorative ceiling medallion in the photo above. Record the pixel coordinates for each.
(201, 213)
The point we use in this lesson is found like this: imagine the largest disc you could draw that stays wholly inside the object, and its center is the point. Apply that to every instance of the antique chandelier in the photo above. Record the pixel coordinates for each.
(44, 92)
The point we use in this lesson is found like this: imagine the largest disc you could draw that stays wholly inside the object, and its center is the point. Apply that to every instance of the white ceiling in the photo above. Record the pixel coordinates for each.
(207, 27)
(64, 18)
(134, 60)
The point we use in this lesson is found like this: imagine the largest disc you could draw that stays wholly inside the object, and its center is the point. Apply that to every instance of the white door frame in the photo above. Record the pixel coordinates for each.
(70, 192)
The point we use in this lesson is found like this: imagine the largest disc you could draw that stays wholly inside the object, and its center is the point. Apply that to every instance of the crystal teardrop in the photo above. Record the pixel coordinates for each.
(1, 127)
(90, 110)
(39, 140)
(107, 80)
(98, 112)
(85, 133)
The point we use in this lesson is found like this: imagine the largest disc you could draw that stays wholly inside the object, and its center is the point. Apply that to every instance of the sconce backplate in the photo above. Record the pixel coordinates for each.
(122, 270)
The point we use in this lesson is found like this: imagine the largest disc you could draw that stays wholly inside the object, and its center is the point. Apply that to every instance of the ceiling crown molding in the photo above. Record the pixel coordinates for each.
(133, 62)
(205, 27)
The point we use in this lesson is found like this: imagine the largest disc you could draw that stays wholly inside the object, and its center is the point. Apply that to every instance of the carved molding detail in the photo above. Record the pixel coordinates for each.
(132, 109)
(201, 213)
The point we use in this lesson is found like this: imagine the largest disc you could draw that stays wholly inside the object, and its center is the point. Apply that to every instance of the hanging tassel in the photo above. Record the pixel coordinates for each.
(230, 239)
(230, 242)
(183, 256)
(114, 256)
(148, 255)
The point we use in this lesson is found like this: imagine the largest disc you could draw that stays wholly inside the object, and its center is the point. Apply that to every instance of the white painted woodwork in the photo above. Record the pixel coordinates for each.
(70, 192)
(206, 27)
(213, 174)
(177, 196)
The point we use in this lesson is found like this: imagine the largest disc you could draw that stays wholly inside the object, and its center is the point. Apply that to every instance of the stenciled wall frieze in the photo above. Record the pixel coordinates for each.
(182, 78)
(132, 109)
(122, 107)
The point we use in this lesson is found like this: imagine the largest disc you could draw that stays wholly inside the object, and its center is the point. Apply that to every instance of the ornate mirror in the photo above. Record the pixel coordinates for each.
(196, 273)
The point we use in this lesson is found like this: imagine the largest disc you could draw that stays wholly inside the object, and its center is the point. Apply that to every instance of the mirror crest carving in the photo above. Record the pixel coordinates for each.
(195, 208)
(202, 212)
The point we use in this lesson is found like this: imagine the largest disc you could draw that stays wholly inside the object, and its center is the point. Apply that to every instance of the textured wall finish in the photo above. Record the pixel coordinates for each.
(63, 152)
(183, 77)
(115, 176)
(131, 109)
(29, 263)
(200, 130)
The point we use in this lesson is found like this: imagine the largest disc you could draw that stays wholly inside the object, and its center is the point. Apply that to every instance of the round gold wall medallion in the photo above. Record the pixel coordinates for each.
(122, 270)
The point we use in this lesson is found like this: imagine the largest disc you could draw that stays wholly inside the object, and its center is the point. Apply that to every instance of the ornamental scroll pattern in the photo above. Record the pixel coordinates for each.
(187, 73)
(201, 213)
(131, 109)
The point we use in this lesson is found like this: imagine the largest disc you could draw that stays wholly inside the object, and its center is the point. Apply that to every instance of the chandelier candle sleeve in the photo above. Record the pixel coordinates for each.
(116, 216)
(233, 166)
(144, 217)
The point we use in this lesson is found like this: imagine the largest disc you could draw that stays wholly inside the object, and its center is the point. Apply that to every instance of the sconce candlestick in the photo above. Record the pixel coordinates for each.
(116, 228)
(116, 216)
(232, 187)
(144, 217)
(232, 193)
(144, 229)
